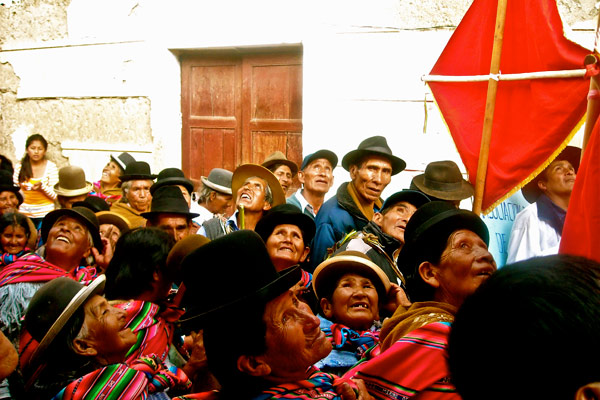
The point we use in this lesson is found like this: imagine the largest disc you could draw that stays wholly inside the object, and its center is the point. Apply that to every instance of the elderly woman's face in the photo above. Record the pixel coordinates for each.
(69, 237)
(464, 265)
(106, 331)
(354, 302)
(8, 202)
(138, 196)
(294, 340)
(111, 173)
(286, 246)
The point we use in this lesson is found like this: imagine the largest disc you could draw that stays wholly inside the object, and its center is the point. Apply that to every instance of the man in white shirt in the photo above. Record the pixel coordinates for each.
(215, 196)
(538, 228)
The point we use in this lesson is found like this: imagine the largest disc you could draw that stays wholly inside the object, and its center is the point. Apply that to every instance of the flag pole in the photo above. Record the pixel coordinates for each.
(490, 105)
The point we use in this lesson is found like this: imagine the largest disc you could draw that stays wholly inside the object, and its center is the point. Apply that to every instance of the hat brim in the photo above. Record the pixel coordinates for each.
(465, 190)
(175, 181)
(192, 320)
(438, 227)
(354, 156)
(109, 217)
(302, 221)
(137, 177)
(335, 267)
(151, 214)
(326, 154)
(290, 164)
(214, 186)
(531, 191)
(416, 198)
(246, 171)
(52, 216)
(73, 192)
(95, 287)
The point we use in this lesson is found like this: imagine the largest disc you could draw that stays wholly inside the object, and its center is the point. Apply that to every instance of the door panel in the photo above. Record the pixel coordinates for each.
(240, 107)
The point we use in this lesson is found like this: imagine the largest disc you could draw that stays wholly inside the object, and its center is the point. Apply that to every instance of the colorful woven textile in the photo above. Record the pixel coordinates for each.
(110, 195)
(25, 254)
(118, 381)
(344, 338)
(320, 385)
(414, 366)
(153, 327)
(38, 270)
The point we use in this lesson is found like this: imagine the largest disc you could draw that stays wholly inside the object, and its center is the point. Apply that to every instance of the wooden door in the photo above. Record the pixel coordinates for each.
(238, 107)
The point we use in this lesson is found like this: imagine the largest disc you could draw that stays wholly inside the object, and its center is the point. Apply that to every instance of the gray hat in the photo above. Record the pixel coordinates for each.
(219, 179)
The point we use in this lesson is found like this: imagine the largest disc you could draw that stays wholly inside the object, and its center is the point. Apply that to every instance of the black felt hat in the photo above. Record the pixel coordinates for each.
(443, 180)
(326, 154)
(171, 177)
(169, 199)
(7, 185)
(432, 223)
(82, 214)
(94, 203)
(376, 146)
(52, 307)
(531, 191)
(413, 197)
(122, 160)
(229, 275)
(285, 214)
(137, 170)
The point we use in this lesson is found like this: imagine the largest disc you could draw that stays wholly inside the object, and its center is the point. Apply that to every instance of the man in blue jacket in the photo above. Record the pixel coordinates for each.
(371, 167)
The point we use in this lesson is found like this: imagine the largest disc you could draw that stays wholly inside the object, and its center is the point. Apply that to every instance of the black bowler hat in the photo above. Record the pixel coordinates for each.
(229, 275)
(429, 225)
(443, 180)
(373, 146)
(7, 185)
(122, 160)
(169, 199)
(94, 203)
(171, 177)
(82, 214)
(413, 197)
(285, 214)
(137, 170)
(326, 154)
(531, 190)
(52, 307)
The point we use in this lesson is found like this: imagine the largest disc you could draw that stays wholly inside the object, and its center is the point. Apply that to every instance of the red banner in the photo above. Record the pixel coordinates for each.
(535, 118)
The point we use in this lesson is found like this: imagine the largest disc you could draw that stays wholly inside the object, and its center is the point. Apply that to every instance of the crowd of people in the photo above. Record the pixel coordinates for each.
(142, 285)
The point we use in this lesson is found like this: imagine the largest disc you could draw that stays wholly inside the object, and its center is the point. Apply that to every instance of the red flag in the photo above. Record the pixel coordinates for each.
(534, 119)
(581, 232)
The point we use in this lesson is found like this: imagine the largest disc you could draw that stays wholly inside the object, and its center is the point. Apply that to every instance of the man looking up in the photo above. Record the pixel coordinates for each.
(371, 167)
(316, 177)
(256, 190)
(538, 228)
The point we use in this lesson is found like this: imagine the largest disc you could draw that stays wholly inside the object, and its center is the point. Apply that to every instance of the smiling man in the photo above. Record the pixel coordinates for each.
(371, 168)
(538, 228)
(255, 190)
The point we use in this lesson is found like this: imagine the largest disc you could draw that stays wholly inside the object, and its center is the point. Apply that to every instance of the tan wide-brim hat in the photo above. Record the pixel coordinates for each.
(71, 182)
(246, 171)
(112, 218)
(278, 157)
(328, 273)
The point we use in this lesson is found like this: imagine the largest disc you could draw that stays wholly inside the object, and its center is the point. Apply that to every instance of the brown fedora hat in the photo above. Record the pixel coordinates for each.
(443, 180)
(112, 218)
(376, 146)
(278, 157)
(246, 171)
(71, 182)
(531, 191)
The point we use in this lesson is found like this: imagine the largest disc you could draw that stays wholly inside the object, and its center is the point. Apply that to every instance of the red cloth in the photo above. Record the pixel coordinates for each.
(581, 231)
(533, 118)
